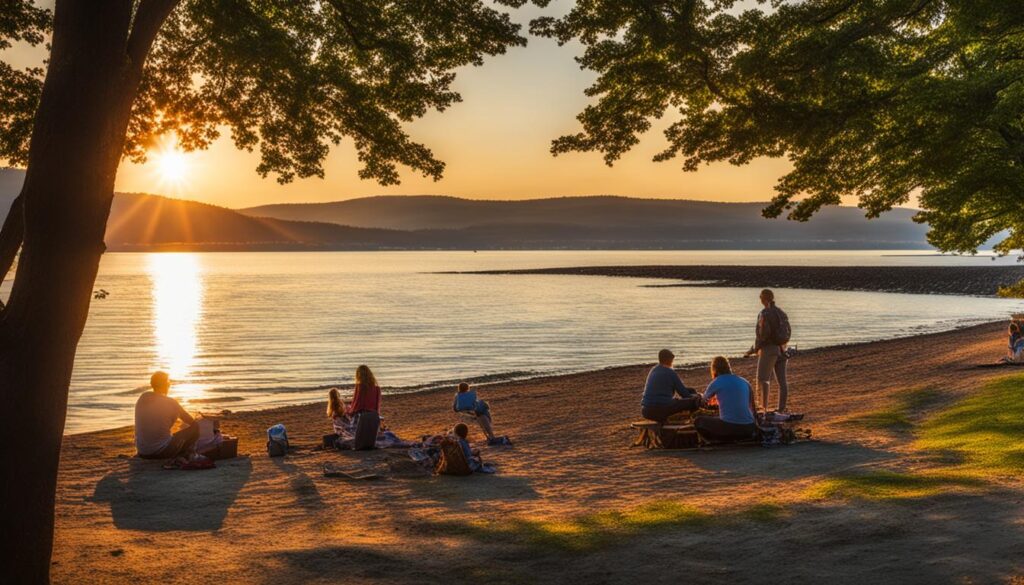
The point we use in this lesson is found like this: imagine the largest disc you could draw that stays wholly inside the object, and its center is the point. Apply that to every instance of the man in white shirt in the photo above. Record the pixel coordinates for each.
(155, 415)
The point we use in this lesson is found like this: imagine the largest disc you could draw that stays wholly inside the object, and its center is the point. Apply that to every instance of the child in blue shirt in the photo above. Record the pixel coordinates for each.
(466, 401)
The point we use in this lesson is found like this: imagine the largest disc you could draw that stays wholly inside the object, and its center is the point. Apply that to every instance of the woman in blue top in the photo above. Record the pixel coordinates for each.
(735, 420)
(466, 401)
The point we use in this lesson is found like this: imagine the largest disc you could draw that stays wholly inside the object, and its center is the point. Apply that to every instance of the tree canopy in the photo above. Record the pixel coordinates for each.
(878, 99)
(286, 77)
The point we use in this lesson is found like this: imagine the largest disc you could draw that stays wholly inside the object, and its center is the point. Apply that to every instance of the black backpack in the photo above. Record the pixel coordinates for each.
(781, 329)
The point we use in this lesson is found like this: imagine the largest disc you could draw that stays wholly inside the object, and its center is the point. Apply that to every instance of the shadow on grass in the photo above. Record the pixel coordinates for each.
(880, 485)
(985, 430)
(899, 415)
(406, 566)
(974, 440)
(598, 530)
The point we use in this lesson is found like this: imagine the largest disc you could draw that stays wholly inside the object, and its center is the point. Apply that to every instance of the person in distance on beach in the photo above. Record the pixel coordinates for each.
(664, 393)
(772, 337)
(466, 401)
(155, 415)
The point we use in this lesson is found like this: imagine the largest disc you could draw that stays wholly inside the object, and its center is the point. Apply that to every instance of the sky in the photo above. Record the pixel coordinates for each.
(495, 145)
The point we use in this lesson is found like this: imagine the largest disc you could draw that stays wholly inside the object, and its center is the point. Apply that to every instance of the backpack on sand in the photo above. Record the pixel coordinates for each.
(453, 459)
(277, 441)
(781, 330)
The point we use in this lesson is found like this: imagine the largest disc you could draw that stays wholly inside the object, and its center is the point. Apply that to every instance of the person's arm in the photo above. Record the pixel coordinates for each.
(710, 391)
(679, 388)
(185, 416)
(762, 333)
(356, 395)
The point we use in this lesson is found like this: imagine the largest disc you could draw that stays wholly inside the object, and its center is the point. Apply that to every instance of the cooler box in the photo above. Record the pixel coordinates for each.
(226, 449)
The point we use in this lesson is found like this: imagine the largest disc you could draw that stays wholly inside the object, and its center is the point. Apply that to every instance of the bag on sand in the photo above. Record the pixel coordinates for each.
(367, 425)
(277, 441)
(453, 459)
(781, 330)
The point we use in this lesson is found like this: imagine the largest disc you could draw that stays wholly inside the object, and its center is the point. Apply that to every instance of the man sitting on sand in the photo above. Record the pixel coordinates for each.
(155, 415)
(661, 390)
(735, 421)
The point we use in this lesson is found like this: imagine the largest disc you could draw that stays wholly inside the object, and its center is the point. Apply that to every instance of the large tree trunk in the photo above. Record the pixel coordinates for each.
(10, 238)
(76, 145)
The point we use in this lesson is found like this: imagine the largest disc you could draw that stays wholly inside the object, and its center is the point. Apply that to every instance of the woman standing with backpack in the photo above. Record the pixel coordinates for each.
(772, 336)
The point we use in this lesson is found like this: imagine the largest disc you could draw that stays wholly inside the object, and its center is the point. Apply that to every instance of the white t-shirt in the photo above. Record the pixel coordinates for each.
(154, 417)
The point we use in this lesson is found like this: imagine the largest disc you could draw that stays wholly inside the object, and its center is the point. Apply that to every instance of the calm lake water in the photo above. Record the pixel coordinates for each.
(249, 330)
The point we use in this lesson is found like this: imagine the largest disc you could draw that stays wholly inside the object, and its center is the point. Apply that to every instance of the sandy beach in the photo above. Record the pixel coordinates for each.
(870, 500)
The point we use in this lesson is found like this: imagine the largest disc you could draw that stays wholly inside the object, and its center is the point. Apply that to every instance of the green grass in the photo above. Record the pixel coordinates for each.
(980, 437)
(884, 485)
(590, 532)
(899, 415)
(985, 431)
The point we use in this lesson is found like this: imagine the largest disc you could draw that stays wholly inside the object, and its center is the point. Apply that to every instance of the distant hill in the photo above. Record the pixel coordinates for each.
(616, 222)
(151, 222)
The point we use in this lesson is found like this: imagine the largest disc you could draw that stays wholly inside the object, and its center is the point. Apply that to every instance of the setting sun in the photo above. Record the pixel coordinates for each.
(172, 167)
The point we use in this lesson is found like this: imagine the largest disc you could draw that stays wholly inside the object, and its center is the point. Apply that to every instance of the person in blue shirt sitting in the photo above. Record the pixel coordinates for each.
(466, 401)
(735, 420)
(662, 389)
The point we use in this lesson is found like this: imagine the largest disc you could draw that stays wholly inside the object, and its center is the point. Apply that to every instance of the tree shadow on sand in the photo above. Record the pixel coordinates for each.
(946, 538)
(386, 565)
(142, 496)
(805, 459)
(306, 493)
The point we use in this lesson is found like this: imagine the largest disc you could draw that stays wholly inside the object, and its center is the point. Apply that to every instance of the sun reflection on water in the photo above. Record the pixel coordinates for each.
(177, 312)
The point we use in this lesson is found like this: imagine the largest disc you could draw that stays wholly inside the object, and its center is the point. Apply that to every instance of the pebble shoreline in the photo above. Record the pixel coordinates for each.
(946, 280)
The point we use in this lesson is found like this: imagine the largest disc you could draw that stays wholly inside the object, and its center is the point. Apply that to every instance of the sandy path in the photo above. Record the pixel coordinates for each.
(258, 520)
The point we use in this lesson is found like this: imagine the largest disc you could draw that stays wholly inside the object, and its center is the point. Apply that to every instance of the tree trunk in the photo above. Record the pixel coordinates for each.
(77, 140)
(10, 238)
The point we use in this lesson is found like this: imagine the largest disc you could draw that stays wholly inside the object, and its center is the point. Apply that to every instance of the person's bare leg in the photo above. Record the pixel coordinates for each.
(780, 378)
(766, 360)
(485, 425)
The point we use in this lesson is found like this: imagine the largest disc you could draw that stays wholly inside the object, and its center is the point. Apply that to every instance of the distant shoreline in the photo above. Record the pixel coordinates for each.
(497, 381)
(979, 281)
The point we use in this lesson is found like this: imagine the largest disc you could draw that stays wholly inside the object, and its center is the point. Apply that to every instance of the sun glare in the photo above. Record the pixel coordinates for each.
(172, 166)
(177, 312)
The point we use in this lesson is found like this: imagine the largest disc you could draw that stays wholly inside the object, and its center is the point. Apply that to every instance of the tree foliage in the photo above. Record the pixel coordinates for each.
(20, 21)
(285, 77)
(878, 99)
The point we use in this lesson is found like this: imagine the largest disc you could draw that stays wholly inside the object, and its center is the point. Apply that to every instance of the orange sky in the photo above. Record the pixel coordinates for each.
(495, 145)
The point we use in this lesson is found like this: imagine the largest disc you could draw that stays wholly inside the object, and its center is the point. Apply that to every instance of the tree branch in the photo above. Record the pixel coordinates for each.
(11, 235)
(149, 17)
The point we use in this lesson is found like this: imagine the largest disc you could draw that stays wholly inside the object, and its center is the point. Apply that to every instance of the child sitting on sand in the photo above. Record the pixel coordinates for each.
(461, 433)
(336, 411)
(466, 401)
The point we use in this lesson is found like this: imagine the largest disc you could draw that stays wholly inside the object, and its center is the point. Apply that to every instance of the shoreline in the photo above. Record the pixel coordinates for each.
(571, 498)
(978, 281)
(446, 386)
